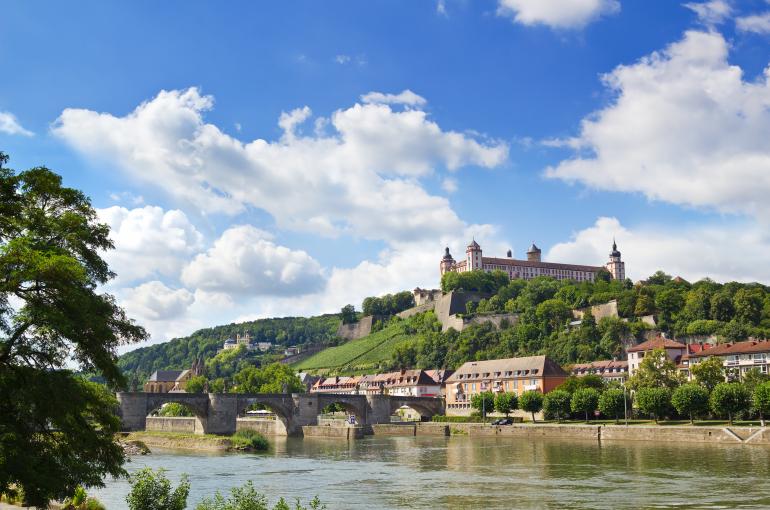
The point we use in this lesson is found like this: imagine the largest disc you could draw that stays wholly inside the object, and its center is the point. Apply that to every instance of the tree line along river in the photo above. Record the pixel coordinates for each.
(461, 472)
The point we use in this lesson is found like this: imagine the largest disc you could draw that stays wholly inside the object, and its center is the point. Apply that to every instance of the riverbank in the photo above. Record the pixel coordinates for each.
(752, 435)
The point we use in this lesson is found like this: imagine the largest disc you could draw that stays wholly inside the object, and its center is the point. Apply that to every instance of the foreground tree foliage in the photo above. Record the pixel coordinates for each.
(152, 490)
(248, 498)
(56, 430)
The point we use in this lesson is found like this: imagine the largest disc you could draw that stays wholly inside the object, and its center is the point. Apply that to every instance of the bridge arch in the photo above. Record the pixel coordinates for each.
(425, 407)
(281, 405)
(353, 404)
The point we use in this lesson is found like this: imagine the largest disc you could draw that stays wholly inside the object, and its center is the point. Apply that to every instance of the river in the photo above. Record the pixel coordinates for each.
(461, 472)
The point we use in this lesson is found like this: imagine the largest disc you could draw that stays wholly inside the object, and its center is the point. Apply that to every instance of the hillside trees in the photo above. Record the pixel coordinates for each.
(56, 430)
(389, 304)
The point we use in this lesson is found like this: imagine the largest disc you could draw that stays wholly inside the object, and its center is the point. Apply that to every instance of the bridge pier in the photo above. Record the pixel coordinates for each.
(223, 412)
(133, 410)
(379, 409)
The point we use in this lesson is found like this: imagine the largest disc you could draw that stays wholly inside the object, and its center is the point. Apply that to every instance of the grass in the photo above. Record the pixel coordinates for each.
(358, 355)
(250, 440)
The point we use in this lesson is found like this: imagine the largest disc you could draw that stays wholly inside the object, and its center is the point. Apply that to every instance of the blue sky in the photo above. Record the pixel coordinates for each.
(407, 126)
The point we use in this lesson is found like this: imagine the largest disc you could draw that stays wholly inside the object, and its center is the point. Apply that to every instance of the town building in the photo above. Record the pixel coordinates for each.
(532, 267)
(245, 340)
(674, 351)
(609, 370)
(412, 383)
(737, 358)
(173, 381)
(512, 375)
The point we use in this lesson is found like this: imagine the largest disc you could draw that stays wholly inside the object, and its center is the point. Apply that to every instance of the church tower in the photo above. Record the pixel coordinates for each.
(447, 262)
(473, 256)
(615, 266)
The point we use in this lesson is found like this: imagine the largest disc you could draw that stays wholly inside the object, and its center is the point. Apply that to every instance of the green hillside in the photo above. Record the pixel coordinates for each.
(372, 352)
(180, 353)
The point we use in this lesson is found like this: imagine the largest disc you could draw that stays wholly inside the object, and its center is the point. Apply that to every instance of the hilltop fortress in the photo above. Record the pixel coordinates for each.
(532, 267)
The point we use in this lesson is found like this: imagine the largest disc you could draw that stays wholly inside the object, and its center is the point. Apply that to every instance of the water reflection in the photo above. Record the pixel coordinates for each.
(460, 472)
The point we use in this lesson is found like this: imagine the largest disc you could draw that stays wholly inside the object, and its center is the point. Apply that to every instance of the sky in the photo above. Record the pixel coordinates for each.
(261, 159)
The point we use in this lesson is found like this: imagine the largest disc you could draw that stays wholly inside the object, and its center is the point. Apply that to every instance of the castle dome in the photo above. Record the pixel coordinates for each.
(447, 255)
(614, 252)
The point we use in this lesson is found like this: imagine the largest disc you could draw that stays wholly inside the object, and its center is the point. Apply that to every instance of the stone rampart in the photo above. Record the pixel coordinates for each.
(356, 330)
(609, 309)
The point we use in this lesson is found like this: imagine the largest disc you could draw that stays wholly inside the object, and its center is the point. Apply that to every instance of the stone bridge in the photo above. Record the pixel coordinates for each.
(216, 413)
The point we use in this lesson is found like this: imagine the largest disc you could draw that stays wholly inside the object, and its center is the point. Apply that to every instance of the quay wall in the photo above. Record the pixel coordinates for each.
(182, 424)
(392, 429)
(264, 427)
(333, 432)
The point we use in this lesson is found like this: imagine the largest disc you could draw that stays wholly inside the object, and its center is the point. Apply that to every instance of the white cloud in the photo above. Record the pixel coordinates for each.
(406, 97)
(342, 59)
(758, 23)
(441, 7)
(127, 196)
(154, 301)
(149, 241)
(449, 185)
(710, 13)
(559, 14)
(244, 261)
(10, 125)
(361, 179)
(722, 252)
(684, 127)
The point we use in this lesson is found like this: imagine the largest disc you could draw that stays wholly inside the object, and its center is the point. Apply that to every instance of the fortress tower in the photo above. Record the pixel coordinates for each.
(447, 263)
(615, 266)
(534, 253)
(473, 256)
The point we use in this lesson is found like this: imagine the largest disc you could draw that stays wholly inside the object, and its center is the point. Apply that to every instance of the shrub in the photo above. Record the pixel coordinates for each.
(584, 400)
(250, 439)
(612, 403)
(690, 400)
(152, 490)
(654, 401)
(247, 498)
(457, 419)
(729, 399)
(556, 404)
(531, 401)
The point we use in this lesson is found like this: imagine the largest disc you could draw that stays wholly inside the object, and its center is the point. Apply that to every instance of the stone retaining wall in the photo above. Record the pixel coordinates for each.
(385, 429)
(182, 424)
(264, 427)
(333, 432)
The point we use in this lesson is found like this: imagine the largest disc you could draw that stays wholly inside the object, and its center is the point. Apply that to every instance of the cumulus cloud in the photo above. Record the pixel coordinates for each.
(10, 125)
(149, 241)
(245, 261)
(449, 185)
(359, 179)
(406, 97)
(684, 127)
(722, 252)
(712, 12)
(558, 14)
(758, 23)
(155, 301)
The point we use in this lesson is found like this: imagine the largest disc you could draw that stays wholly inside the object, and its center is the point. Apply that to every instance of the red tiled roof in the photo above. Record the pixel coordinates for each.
(747, 347)
(601, 364)
(657, 343)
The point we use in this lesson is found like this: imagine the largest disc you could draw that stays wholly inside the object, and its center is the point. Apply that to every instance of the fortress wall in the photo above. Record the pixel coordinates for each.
(356, 330)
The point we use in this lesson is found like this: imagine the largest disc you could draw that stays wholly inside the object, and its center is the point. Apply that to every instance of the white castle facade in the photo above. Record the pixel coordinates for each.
(532, 267)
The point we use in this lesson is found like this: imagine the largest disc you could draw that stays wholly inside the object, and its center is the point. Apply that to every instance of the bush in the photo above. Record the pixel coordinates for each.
(250, 439)
(556, 404)
(152, 490)
(690, 400)
(475, 418)
(584, 400)
(654, 401)
(247, 498)
(729, 399)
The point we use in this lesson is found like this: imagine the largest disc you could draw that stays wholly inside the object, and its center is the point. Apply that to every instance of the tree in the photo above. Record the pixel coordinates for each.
(51, 315)
(552, 314)
(274, 378)
(483, 402)
(669, 302)
(709, 372)
(505, 403)
(655, 371)
(531, 401)
(584, 400)
(348, 314)
(729, 399)
(748, 304)
(761, 400)
(645, 305)
(653, 400)
(690, 400)
(174, 409)
(734, 331)
(196, 384)
(557, 404)
(612, 403)
(753, 378)
(151, 490)
(722, 306)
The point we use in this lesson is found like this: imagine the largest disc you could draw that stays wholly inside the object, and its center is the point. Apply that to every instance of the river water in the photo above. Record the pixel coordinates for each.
(461, 472)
